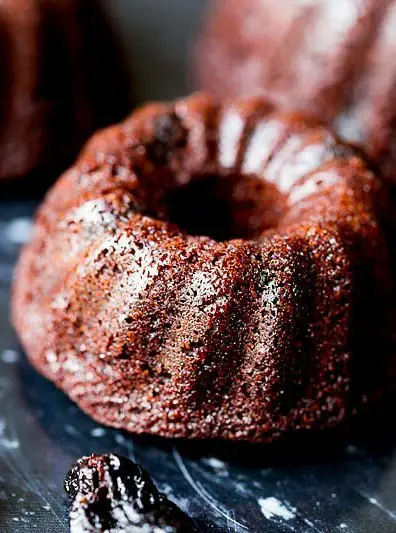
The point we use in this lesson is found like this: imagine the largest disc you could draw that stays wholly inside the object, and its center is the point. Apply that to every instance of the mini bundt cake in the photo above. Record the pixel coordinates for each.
(333, 58)
(60, 80)
(210, 270)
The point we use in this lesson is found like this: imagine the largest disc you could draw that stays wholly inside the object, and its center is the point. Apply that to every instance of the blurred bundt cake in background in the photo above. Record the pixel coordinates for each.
(332, 58)
(213, 271)
(60, 79)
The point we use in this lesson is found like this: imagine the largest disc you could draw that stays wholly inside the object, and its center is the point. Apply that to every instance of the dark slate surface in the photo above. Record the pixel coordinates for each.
(323, 486)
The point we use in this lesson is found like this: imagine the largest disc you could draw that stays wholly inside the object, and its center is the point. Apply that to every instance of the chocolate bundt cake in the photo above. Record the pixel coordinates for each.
(60, 80)
(212, 271)
(334, 58)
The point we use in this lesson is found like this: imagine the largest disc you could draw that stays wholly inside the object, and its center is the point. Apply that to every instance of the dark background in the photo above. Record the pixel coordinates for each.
(157, 37)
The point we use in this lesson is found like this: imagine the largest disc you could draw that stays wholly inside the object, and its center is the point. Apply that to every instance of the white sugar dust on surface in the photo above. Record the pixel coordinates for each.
(98, 432)
(215, 463)
(271, 508)
(9, 356)
(7, 442)
(18, 231)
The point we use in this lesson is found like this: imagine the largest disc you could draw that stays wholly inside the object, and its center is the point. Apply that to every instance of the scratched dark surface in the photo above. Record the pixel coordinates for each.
(320, 487)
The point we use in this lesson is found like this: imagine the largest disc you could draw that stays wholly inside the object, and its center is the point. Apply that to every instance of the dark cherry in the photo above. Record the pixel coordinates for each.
(112, 494)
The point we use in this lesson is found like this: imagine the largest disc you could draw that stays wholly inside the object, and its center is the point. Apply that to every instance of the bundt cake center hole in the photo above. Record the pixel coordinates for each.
(226, 207)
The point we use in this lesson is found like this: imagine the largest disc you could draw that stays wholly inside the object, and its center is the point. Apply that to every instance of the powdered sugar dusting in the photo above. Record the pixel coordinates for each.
(10, 356)
(215, 463)
(6, 441)
(18, 231)
(271, 508)
(98, 432)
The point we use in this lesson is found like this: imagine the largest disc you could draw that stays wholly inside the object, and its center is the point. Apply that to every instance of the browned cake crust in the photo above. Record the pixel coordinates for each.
(59, 81)
(332, 58)
(281, 323)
